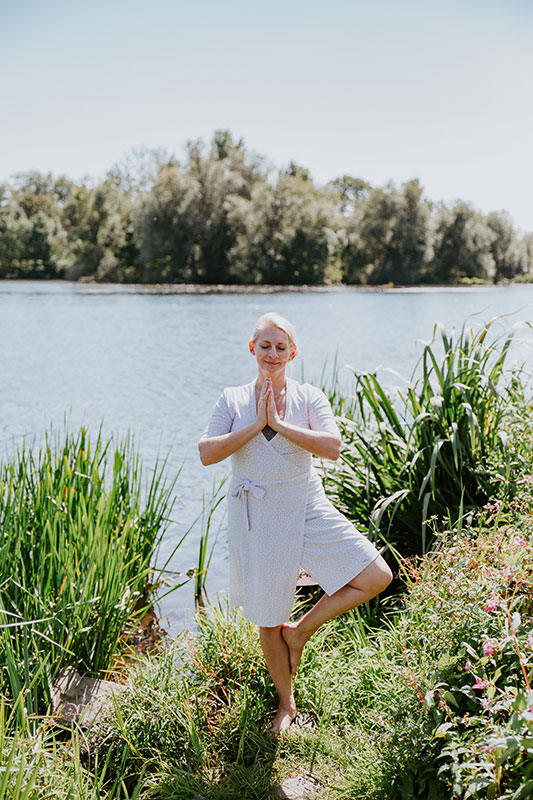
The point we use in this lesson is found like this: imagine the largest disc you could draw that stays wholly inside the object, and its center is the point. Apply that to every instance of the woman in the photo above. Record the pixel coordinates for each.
(279, 518)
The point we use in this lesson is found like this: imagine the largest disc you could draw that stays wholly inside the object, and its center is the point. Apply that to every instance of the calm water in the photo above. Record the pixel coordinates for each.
(155, 364)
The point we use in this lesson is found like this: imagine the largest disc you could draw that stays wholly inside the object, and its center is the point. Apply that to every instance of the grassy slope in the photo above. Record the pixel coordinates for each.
(394, 714)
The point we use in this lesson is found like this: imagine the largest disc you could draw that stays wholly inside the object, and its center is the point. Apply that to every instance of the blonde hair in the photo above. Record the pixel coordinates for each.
(271, 318)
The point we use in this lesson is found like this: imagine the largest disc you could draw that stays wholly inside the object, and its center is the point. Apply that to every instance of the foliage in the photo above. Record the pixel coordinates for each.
(434, 450)
(76, 559)
(467, 641)
(223, 215)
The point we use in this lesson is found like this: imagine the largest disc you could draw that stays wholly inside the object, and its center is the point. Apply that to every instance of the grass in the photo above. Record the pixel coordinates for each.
(76, 559)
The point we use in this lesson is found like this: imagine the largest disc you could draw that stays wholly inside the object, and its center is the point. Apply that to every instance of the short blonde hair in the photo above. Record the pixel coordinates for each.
(271, 318)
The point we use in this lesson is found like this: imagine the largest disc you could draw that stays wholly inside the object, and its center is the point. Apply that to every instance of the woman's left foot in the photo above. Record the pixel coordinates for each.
(282, 720)
(295, 642)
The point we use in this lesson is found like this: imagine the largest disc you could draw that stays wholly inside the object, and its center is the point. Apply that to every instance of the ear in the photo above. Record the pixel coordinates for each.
(293, 353)
(251, 347)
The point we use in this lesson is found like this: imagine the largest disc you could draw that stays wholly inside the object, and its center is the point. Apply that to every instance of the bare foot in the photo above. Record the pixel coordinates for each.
(282, 720)
(295, 642)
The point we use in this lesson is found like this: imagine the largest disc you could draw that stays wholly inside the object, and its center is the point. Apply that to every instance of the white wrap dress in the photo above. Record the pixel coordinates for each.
(279, 518)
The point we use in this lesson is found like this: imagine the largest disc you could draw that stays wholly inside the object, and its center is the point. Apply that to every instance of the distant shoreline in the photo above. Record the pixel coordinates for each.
(100, 287)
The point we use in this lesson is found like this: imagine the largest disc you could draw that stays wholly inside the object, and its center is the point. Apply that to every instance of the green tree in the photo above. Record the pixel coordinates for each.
(349, 191)
(506, 250)
(99, 231)
(288, 234)
(388, 236)
(30, 227)
(462, 247)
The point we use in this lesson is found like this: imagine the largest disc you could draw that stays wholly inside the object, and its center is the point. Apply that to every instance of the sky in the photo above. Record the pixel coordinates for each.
(385, 90)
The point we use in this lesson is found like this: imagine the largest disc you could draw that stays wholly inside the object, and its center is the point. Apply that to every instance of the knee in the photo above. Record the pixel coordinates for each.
(374, 578)
(270, 633)
(383, 577)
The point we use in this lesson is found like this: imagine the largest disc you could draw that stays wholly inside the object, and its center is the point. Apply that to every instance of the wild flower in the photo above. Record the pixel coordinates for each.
(528, 479)
(468, 665)
(488, 649)
(519, 541)
(529, 643)
(479, 684)
(485, 702)
(507, 572)
(492, 603)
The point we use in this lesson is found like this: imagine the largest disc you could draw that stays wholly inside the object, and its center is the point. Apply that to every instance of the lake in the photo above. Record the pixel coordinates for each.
(154, 364)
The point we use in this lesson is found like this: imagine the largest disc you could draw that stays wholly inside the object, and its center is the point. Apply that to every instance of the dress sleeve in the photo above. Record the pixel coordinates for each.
(221, 419)
(319, 412)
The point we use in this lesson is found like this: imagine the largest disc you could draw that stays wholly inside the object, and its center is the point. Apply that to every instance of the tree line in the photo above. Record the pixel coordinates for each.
(224, 215)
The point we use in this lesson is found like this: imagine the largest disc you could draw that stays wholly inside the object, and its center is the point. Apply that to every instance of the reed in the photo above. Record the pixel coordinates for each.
(434, 450)
(80, 532)
(210, 504)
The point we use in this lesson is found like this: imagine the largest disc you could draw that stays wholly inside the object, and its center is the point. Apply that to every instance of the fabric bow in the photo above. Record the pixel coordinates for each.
(242, 491)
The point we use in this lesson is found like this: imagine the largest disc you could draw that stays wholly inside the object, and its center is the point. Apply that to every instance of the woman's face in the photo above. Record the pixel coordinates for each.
(272, 350)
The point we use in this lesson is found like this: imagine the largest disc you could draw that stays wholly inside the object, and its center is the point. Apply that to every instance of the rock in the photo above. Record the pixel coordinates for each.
(297, 787)
(79, 699)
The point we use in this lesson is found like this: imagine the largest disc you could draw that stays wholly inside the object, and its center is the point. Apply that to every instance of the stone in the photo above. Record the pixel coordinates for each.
(296, 787)
(79, 699)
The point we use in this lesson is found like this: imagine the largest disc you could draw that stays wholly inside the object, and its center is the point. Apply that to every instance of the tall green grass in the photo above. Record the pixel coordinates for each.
(80, 532)
(434, 450)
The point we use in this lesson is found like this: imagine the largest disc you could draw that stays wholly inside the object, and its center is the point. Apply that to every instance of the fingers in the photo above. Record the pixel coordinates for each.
(266, 389)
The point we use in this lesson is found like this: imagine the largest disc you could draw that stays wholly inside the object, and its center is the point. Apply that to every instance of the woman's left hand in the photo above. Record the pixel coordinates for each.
(273, 417)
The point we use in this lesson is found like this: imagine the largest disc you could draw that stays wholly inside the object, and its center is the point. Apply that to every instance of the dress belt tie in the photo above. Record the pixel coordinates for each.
(242, 491)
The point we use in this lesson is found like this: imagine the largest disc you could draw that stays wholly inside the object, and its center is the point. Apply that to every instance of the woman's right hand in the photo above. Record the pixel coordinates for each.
(262, 404)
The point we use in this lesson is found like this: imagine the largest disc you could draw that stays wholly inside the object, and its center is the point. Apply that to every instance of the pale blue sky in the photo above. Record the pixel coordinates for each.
(383, 90)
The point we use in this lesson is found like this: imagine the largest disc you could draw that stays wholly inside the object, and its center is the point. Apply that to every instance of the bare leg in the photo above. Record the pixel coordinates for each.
(276, 655)
(370, 582)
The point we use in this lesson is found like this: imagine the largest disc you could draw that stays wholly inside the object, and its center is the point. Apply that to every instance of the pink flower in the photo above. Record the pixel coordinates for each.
(529, 644)
(529, 479)
(479, 684)
(519, 541)
(488, 648)
(485, 702)
(492, 603)
(507, 572)
(493, 507)
(468, 665)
